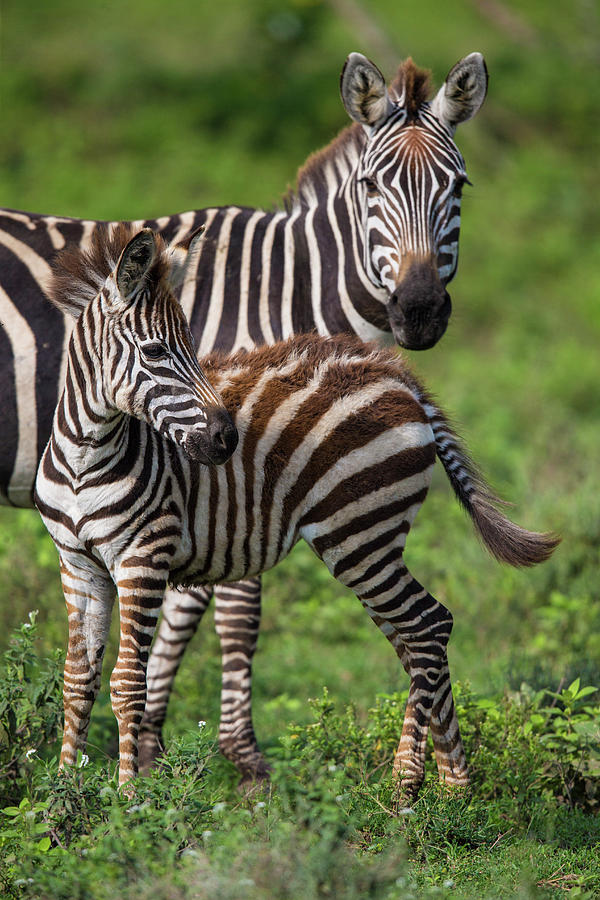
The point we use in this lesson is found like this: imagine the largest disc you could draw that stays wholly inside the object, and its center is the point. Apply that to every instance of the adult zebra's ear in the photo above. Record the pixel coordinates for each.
(135, 261)
(183, 256)
(364, 92)
(463, 93)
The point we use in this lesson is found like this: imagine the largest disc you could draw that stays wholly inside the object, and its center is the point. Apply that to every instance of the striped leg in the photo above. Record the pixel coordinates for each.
(419, 628)
(447, 744)
(181, 613)
(89, 595)
(140, 598)
(237, 618)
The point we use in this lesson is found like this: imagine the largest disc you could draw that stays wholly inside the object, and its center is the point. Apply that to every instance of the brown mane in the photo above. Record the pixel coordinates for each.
(347, 143)
(79, 274)
(412, 85)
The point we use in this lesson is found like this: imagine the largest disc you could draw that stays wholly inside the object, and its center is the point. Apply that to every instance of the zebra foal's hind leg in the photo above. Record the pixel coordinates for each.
(181, 614)
(418, 628)
(89, 595)
(237, 619)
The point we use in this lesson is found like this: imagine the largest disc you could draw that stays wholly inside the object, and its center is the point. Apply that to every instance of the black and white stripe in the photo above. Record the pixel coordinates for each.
(337, 442)
(366, 245)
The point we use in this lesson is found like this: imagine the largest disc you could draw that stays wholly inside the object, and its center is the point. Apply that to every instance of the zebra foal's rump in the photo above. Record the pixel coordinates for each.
(337, 442)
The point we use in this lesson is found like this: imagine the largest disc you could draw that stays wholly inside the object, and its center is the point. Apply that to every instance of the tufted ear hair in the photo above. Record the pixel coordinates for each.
(135, 262)
(182, 256)
(364, 92)
(463, 93)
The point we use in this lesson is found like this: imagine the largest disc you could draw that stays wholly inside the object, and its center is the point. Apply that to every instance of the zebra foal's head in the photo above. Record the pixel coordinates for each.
(409, 185)
(133, 341)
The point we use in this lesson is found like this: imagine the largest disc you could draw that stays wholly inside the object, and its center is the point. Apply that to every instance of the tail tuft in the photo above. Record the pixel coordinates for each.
(506, 541)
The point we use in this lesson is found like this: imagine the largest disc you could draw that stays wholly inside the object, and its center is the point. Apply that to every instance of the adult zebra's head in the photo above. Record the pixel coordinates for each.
(409, 183)
(136, 329)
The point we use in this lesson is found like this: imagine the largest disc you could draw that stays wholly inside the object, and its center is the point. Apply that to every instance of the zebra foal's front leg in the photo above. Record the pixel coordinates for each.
(89, 595)
(181, 613)
(141, 589)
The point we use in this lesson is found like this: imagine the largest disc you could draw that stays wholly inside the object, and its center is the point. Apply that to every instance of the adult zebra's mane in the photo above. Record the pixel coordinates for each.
(411, 88)
(78, 275)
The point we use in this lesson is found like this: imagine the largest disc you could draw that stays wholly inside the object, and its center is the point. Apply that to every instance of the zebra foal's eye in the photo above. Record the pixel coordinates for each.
(154, 350)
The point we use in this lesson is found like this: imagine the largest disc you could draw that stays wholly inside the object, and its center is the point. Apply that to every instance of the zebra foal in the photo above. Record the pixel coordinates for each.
(337, 442)
(134, 406)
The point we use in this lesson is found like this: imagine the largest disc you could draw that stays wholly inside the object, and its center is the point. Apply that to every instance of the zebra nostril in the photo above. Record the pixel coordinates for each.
(222, 433)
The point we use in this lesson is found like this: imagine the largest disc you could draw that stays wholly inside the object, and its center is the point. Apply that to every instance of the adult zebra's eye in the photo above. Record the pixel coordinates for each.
(371, 186)
(154, 351)
(459, 184)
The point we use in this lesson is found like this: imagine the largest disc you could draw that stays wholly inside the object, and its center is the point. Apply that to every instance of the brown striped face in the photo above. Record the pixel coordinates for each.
(410, 181)
(152, 372)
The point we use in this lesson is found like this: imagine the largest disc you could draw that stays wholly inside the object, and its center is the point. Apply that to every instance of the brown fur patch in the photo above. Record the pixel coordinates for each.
(415, 84)
(78, 274)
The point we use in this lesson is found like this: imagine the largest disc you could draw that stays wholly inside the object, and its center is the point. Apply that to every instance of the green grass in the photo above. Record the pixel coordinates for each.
(131, 110)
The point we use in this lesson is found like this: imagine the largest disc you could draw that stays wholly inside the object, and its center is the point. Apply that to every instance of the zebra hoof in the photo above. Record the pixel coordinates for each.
(255, 777)
(150, 749)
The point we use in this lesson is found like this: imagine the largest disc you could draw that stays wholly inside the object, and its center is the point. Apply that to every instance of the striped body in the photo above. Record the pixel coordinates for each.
(336, 445)
(367, 245)
(340, 258)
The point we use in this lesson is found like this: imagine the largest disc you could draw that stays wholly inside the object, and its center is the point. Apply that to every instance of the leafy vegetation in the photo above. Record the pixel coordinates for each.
(131, 110)
(328, 825)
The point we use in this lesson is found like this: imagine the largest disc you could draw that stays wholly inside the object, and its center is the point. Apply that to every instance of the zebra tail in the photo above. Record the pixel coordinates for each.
(506, 541)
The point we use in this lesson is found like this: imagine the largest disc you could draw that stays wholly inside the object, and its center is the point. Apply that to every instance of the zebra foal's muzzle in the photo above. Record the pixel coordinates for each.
(420, 307)
(214, 444)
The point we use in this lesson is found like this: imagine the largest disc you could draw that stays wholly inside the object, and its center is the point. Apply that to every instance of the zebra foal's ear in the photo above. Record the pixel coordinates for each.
(135, 261)
(182, 256)
(463, 92)
(364, 92)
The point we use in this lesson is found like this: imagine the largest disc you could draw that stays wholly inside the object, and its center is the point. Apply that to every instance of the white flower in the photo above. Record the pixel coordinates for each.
(201, 724)
(31, 753)
(84, 760)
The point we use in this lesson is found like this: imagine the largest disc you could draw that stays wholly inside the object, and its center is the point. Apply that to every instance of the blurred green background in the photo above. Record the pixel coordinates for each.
(138, 109)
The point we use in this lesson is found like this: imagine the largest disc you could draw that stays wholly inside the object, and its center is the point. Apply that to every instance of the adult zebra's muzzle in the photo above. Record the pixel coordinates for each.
(214, 444)
(420, 307)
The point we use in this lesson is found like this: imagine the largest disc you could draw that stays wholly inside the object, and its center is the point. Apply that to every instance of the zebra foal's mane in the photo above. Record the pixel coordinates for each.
(411, 84)
(78, 275)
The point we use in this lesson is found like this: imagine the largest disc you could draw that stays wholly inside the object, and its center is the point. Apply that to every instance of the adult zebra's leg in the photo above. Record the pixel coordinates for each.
(181, 613)
(237, 619)
(89, 595)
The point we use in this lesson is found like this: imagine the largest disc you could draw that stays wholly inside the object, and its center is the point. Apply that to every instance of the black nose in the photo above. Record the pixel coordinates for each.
(221, 434)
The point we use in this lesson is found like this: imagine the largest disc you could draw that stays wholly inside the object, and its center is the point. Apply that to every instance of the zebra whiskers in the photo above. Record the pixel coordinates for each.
(337, 442)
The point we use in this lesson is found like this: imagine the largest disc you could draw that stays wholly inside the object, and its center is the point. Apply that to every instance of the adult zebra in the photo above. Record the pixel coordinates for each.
(367, 244)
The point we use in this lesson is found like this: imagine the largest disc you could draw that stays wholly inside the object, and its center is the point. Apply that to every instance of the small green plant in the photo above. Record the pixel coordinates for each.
(30, 706)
